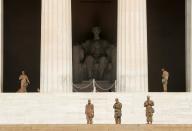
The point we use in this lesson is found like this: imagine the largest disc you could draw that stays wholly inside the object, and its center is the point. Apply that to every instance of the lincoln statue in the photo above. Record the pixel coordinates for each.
(94, 59)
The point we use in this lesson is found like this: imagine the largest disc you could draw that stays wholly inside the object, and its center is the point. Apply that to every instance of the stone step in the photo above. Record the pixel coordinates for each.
(51, 108)
(95, 127)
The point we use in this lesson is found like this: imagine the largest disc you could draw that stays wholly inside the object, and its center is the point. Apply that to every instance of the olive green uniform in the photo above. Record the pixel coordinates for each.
(117, 112)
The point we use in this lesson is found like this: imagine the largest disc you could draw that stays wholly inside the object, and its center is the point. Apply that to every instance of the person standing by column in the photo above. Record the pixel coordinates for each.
(165, 77)
(89, 112)
(117, 111)
(149, 110)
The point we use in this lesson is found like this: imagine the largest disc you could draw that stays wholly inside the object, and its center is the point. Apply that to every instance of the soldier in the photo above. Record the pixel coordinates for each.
(89, 112)
(165, 77)
(117, 111)
(149, 110)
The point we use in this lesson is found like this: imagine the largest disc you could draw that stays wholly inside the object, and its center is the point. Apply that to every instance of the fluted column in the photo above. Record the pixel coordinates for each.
(188, 45)
(56, 46)
(1, 45)
(132, 72)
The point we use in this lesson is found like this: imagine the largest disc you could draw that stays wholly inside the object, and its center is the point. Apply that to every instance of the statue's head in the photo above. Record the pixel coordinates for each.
(162, 69)
(96, 30)
(23, 72)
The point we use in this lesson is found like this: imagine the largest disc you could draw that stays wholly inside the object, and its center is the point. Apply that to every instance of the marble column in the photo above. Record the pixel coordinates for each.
(1, 45)
(132, 65)
(188, 45)
(56, 46)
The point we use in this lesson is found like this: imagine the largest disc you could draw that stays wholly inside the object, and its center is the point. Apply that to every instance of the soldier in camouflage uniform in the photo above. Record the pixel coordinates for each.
(117, 110)
(149, 110)
(89, 112)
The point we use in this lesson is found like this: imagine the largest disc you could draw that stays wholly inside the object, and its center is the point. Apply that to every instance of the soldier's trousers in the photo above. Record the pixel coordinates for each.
(149, 118)
(89, 120)
(118, 120)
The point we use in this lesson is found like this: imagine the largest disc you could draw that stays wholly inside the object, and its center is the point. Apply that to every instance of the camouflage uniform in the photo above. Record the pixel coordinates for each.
(117, 112)
(149, 110)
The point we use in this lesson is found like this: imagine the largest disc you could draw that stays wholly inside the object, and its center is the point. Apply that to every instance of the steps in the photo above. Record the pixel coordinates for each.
(95, 127)
(40, 108)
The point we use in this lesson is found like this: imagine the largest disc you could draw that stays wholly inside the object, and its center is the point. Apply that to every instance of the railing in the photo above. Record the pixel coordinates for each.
(78, 88)
(95, 85)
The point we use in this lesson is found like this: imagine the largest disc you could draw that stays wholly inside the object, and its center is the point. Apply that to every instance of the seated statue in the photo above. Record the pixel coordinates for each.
(99, 58)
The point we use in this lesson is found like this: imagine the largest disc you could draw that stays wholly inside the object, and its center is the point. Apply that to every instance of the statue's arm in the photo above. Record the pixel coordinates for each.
(162, 75)
(20, 77)
(167, 75)
(27, 79)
